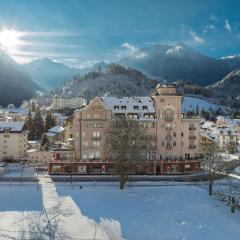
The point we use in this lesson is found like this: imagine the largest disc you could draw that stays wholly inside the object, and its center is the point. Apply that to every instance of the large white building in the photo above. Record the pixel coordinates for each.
(13, 141)
(60, 102)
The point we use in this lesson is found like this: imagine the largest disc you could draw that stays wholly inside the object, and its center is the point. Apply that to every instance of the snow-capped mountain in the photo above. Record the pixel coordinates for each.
(179, 62)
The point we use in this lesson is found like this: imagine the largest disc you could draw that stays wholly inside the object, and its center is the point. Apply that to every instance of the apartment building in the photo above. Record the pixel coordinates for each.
(177, 139)
(13, 140)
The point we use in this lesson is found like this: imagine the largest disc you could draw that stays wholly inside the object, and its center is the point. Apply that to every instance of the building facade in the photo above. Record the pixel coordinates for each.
(60, 102)
(176, 138)
(13, 141)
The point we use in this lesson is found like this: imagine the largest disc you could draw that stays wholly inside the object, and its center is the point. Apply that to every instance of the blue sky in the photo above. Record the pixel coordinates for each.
(81, 32)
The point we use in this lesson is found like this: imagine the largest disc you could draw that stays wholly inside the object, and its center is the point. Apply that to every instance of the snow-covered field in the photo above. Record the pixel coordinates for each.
(20, 197)
(191, 103)
(157, 212)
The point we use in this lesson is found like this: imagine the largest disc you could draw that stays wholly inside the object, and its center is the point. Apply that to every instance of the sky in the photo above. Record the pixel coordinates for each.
(83, 32)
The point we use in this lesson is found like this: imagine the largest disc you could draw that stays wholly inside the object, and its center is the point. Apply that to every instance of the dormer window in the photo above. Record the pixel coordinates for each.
(135, 107)
(145, 108)
(116, 107)
(123, 107)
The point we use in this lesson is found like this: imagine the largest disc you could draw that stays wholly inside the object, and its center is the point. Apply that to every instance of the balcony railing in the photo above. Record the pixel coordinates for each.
(168, 128)
(191, 146)
(96, 138)
(168, 137)
(192, 137)
(168, 147)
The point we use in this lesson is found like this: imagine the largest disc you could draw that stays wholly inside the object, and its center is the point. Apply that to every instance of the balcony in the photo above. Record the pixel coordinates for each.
(168, 147)
(95, 138)
(191, 146)
(192, 137)
(168, 137)
(168, 128)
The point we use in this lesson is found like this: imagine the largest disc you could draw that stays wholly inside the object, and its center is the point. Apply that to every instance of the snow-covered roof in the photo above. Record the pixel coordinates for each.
(21, 111)
(137, 105)
(50, 134)
(133, 104)
(208, 124)
(11, 126)
(56, 129)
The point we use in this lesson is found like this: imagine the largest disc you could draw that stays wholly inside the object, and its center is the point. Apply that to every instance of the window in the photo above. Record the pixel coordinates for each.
(181, 134)
(174, 144)
(123, 107)
(162, 100)
(96, 143)
(174, 134)
(162, 143)
(96, 134)
(116, 107)
(135, 107)
(95, 115)
(145, 108)
(151, 125)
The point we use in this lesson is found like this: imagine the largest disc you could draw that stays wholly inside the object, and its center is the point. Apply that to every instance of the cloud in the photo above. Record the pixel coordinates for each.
(213, 18)
(133, 51)
(196, 38)
(209, 28)
(227, 25)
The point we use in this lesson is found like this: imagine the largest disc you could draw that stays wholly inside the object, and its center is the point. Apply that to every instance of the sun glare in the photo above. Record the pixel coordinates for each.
(9, 39)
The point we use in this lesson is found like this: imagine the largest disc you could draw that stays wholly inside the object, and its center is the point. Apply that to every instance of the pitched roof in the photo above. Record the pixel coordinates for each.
(56, 129)
(11, 126)
(130, 103)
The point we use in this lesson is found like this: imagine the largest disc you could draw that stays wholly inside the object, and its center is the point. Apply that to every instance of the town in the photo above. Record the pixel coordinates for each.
(119, 120)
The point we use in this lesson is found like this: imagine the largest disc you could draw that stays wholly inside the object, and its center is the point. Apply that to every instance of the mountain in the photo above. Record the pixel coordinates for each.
(179, 62)
(116, 81)
(229, 86)
(232, 62)
(15, 83)
(48, 73)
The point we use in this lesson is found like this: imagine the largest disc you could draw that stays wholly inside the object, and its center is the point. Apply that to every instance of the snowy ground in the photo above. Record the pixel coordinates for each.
(191, 104)
(29, 211)
(15, 169)
(157, 212)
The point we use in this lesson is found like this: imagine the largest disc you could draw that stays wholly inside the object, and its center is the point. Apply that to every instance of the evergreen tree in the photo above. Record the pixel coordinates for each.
(33, 106)
(49, 122)
(29, 125)
(44, 142)
(38, 125)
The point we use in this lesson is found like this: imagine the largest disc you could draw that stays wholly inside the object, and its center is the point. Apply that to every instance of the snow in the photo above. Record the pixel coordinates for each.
(14, 170)
(17, 197)
(157, 212)
(32, 211)
(191, 103)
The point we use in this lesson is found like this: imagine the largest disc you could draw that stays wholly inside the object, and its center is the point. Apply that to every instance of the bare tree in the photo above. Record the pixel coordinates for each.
(213, 163)
(126, 144)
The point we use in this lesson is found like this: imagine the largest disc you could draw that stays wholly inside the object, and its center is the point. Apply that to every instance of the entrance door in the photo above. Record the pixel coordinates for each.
(158, 170)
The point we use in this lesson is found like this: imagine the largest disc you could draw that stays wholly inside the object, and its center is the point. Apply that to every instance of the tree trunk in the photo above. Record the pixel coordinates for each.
(210, 187)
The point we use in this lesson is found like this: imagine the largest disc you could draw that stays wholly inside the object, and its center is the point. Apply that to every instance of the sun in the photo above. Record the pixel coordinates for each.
(9, 39)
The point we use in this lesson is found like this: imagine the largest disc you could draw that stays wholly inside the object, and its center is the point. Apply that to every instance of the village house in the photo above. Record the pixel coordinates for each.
(13, 141)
